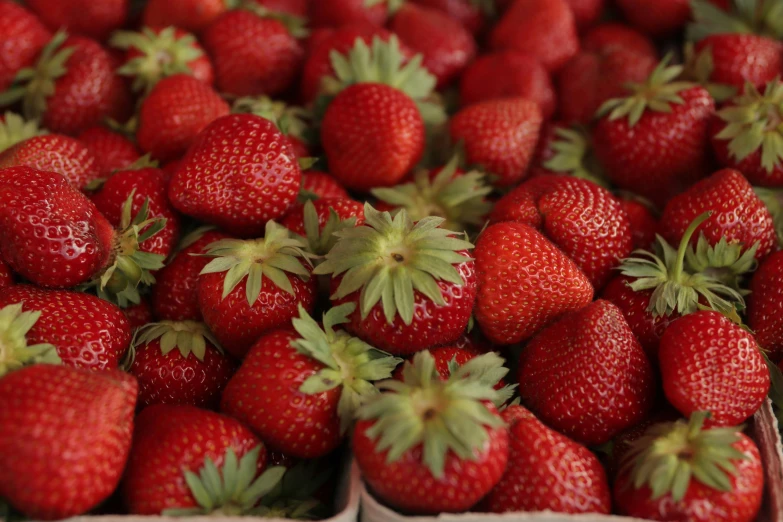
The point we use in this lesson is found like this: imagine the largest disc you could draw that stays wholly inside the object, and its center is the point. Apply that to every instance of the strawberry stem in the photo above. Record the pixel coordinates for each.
(677, 269)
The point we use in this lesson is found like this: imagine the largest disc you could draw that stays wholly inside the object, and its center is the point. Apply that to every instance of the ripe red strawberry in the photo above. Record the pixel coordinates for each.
(410, 450)
(656, 17)
(471, 14)
(174, 113)
(673, 116)
(608, 37)
(112, 151)
(545, 29)
(291, 120)
(318, 221)
(514, 75)
(682, 471)
(500, 135)
(321, 370)
(55, 153)
(138, 314)
(644, 226)
(254, 52)
(582, 219)
(764, 315)
(252, 287)
(416, 286)
(6, 276)
(251, 175)
(169, 474)
(190, 15)
(525, 282)
(69, 88)
(65, 439)
(566, 369)
(23, 35)
(547, 471)
(586, 12)
(337, 13)
(84, 17)
(321, 185)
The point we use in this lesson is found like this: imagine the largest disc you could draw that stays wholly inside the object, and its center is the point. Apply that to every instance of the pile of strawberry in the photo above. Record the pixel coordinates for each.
(517, 255)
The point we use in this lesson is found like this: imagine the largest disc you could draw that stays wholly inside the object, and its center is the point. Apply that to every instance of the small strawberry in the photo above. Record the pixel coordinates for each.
(319, 221)
(683, 471)
(290, 120)
(337, 13)
(55, 153)
(656, 17)
(138, 314)
(525, 282)
(414, 284)
(547, 471)
(65, 439)
(299, 388)
(239, 173)
(112, 150)
(15, 129)
(317, 184)
(608, 37)
(85, 17)
(190, 15)
(419, 439)
(764, 315)
(644, 225)
(24, 36)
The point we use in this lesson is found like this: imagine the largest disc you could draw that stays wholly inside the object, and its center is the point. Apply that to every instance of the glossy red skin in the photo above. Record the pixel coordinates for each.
(239, 173)
(191, 15)
(738, 214)
(200, 68)
(513, 75)
(6, 276)
(644, 226)
(547, 472)
(139, 315)
(54, 153)
(298, 8)
(499, 134)
(373, 135)
(322, 185)
(710, 364)
(582, 219)
(677, 158)
(23, 38)
(701, 503)
(750, 167)
(169, 440)
(586, 12)
(86, 17)
(608, 37)
(175, 293)
(236, 324)
(65, 439)
(177, 109)
(742, 58)
(463, 11)
(656, 17)
(525, 282)
(446, 46)
(545, 29)
(432, 324)
(88, 332)
(765, 308)
(52, 235)
(344, 207)
(252, 55)
(337, 13)
(112, 151)
(409, 485)
(173, 379)
(122, 102)
(265, 395)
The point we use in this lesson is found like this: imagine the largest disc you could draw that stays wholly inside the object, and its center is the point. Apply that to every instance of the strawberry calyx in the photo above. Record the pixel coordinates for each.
(725, 262)
(392, 6)
(289, 119)
(755, 120)
(759, 17)
(349, 362)
(296, 25)
(491, 375)
(321, 241)
(390, 258)
(441, 415)
(671, 454)
(460, 200)
(274, 256)
(188, 337)
(657, 94)
(292, 497)
(232, 489)
(773, 200)
(14, 350)
(573, 156)
(15, 129)
(699, 67)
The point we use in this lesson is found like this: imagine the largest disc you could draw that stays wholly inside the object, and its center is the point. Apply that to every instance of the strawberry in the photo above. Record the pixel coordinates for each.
(337, 13)
(290, 120)
(255, 52)
(252, 175)
(545, 29)
(414, 284)
(644, 225)
(514, 75)
(138, 314)
(224, 472)
(15, 129)
(671, 115)
(608, 37)
(472, 14)
(683, 471)
(656, 17)
(524, 282)
(69, 88)
(85, 17)
(153, 54)
(112, 151)
(189, 15)
(254, 286)
(23, 35)
(500, 135)
(174, 113)
(582, 219)
(55, 153)
(321, 185)
(586, 12)
(6, 276)
(547, 471)
(567, 150)
(416, 441)
(763, 304)
(179, 363)
(322, 371)
(566, 368)
(319, 221)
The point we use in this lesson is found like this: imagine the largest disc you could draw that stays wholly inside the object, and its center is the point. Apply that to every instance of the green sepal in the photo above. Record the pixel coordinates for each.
(289, 119)
(274, 256)
(762, 17)
(441, 415)
(490, 374)
(773, 200)
(320, 241)
(14, 350)
(573, 156)
(15, 129)
(699, 68)
(292, 497)
(390, 258)
(144, 162)
(193, 236)
(188, 337)
(296, 25)
(725, 262)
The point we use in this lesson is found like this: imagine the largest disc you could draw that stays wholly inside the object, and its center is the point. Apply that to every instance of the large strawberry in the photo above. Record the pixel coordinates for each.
(547, 471)
(525, 282)
(23, 35)
(112, 150)
(84, 17)
(656, 17)
(765, 316)
(414, 283)
(65, 439)
(55, 153)
(190, 15)
(336, 13)
(299, 388)
(420, 437)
